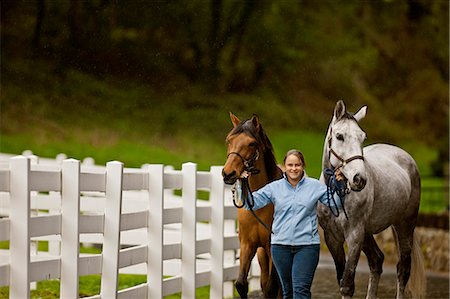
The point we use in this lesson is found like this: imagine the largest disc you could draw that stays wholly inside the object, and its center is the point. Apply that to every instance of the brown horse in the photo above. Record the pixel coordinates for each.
(249, 148)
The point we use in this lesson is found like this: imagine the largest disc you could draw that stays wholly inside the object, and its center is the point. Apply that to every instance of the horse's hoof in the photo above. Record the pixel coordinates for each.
(271, 295)
(346, 292)
(272, 290)
(242, 289)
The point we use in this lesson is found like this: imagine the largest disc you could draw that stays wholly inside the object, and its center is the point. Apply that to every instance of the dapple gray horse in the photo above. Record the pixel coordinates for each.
(383, 186)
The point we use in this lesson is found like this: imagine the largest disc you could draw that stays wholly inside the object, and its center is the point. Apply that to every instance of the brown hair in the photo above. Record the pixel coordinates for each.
(296, 153)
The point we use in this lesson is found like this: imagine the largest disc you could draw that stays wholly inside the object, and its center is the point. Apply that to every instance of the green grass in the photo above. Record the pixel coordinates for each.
(435, 195)
(81, 115)
(309, 143)
(89, 285)
(134, 153)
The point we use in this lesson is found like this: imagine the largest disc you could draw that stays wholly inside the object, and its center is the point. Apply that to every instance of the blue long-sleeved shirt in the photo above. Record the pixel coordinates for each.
(295, 217)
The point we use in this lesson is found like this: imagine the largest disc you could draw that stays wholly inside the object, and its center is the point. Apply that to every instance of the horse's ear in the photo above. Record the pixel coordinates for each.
(234, 119)
(255, 122)
(361, 113)
(339, 110)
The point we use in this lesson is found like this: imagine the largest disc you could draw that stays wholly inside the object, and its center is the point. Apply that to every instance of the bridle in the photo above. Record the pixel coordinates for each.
(249, 165)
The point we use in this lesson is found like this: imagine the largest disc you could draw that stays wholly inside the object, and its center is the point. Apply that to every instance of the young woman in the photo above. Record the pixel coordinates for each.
(295, 241)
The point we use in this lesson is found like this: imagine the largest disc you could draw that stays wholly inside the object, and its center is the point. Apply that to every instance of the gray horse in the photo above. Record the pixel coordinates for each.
(383, 186)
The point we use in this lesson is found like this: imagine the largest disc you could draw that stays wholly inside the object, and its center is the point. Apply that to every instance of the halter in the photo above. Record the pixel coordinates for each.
(342, 160)
(334, 186)
(249, 165)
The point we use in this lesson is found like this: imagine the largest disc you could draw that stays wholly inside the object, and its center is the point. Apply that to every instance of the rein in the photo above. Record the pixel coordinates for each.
(249, 200)
(334, 186)
(249, 167)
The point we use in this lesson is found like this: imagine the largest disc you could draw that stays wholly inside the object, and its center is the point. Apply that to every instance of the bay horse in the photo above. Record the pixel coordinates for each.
(383, 185)
(249, 148)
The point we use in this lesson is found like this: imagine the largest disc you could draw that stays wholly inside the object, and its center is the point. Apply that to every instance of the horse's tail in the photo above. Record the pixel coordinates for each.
(417, 281)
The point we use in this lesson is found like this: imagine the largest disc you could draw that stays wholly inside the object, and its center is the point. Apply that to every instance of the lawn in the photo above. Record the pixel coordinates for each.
(90, 285)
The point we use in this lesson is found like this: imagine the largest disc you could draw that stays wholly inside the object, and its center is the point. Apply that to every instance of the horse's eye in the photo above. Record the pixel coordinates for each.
(340, 137)
(253, 144)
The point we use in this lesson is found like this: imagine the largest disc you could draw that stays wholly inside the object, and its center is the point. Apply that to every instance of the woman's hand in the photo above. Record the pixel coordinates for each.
(245, 175)
(339, 175)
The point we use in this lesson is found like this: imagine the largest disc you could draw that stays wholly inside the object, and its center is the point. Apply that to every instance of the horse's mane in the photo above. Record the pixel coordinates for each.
(348, 115)
(270, 161)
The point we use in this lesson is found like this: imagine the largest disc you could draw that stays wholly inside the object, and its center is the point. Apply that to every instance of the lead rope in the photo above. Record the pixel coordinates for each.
(335, 187)
(245, 198)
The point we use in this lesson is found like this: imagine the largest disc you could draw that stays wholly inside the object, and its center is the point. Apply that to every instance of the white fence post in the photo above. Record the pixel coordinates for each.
(34, 160)
(19, 244)
(155, 231)
(217, 232)
(70, 237)
(229, 255)
(189, 231)
(54, 246)
(111, 233)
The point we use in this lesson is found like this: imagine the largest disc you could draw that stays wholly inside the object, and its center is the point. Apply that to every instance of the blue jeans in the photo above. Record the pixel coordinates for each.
(296, 266)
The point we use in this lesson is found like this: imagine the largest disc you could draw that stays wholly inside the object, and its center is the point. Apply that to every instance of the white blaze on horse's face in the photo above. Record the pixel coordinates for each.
(346, 141)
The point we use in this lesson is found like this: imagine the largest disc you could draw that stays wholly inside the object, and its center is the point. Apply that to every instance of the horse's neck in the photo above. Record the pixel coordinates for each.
(257, 181)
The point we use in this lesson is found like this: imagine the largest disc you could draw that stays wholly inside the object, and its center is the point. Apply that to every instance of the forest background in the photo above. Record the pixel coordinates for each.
(154, 81)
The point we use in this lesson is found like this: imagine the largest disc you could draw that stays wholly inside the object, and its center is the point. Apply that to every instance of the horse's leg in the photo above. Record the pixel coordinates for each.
(270, 283)
(375, 258)
(263, 259)
(355, 240)
(404, 237)
(276, 291)
(247, 253)
(336, 247)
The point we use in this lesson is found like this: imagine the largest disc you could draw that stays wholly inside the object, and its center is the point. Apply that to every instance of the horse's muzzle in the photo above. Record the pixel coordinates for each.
(359, 182)
(229, 178)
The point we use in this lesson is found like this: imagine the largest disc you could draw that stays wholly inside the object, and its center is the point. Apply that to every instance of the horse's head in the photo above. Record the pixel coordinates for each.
(343, 146)
(244, 147)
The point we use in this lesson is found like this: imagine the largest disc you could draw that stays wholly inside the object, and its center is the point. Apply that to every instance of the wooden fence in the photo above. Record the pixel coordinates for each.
(179, 242)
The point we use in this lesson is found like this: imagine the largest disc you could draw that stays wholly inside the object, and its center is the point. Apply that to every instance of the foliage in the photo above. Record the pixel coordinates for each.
(390, 55)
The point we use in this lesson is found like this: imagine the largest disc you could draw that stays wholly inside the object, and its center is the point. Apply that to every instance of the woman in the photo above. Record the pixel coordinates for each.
(295, 242)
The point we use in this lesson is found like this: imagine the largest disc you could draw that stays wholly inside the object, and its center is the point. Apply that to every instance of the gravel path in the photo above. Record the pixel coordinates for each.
(325, 284)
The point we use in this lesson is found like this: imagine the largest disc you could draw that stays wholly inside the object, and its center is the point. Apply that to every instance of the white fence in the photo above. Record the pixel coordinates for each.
(179, 242)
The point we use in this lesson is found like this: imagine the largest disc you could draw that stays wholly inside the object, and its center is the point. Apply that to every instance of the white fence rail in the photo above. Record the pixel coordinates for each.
(179, 242)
